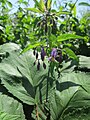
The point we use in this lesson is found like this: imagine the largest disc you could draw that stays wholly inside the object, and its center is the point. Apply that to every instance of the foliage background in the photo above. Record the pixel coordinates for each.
(44, 61)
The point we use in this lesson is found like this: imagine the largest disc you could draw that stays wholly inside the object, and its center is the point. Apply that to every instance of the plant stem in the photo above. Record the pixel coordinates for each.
(37, 115)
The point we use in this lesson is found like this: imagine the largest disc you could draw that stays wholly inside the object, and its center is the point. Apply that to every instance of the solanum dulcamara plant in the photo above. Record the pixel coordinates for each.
(51, 42)
(55, 56)
(46, 27)
(43, 76)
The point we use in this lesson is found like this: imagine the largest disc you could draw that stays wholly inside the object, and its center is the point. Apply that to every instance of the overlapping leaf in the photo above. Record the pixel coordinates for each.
(84, 62)
(10, 109)
(8, 47)
(23, 80)
(72, 92)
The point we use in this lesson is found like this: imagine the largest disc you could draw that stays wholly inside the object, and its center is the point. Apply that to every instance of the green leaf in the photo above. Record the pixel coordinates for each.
(39, 5)
(84, 62)
(70, 53)
(62, 13)
(84, 4)
(34, 10)
(8, 47)
(65, 37)
(20, 1)
(9, 4)
(69, 66)
(74, 11)
(10, 109)
(49, 2)
(72, 92)
(52, 40)
(42, 4)
(23, 80)
(31, 46)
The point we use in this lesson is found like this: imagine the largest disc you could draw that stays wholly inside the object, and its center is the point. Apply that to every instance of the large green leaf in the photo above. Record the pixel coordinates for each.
(70, 53)
(23, 80)
(65, 37)
(73, 91)
(31, 46)
(84, 62)
(10, 109)
(8, 47)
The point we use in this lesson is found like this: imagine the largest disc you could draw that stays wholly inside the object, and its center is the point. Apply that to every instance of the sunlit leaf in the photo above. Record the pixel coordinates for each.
(65, 37)
(70, 53)
(31, 46)
(39, 6)
(9, 4)
(62, 13)
(35, 10)
(74, 11)
(49, 2)
(42, 4)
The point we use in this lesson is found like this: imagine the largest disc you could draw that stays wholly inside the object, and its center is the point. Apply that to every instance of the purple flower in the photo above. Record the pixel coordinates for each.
(43, 53)
(54, 52)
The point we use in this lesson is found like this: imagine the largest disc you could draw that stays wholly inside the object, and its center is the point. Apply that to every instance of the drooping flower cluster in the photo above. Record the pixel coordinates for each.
(43, 54)
(56, 55)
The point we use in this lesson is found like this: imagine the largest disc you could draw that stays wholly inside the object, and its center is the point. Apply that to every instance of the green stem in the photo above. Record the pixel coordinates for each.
(47, 85)
(37, 114)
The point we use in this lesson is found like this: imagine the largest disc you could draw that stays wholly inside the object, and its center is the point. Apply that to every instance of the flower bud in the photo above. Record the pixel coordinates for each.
(34, 63)
(54, 52)
(44, 65)
(34, 52)
(38, 65)
(37, 55)
(42, 54)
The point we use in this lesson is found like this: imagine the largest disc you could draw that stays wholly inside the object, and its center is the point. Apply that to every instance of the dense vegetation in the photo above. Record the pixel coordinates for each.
(44, 61)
